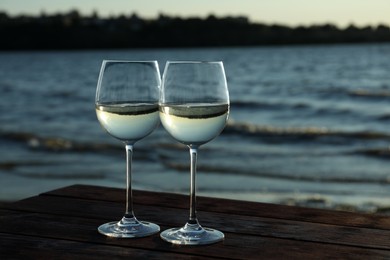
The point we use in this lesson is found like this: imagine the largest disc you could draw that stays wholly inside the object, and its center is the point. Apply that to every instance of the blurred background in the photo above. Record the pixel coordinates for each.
(309, 84)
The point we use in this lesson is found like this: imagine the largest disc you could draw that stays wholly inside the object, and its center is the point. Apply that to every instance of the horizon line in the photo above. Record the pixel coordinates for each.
(157, 16)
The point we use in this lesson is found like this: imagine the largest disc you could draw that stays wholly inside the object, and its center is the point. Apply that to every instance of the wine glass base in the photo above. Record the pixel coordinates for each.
(183, 236)
(133, 230)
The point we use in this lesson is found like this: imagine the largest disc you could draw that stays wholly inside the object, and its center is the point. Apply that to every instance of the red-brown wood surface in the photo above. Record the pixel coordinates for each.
(62, 224)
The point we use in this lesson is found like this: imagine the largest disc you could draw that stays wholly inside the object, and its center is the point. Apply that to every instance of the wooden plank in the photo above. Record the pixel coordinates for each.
(236, 246)
(280, 228)
(352, 219)
(28, 247)
(71, 220)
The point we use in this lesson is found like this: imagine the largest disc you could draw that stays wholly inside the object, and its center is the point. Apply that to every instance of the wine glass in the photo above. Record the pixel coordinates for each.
(194, 108)
(127, 97)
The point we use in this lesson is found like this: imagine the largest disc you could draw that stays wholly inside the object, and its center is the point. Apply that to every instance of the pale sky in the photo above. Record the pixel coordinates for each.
(288, 12)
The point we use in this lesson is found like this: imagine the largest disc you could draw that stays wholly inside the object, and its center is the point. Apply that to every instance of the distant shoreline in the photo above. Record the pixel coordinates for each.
(71, 31)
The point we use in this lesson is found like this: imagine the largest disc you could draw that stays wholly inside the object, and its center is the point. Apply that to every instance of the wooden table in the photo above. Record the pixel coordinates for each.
(62, 224)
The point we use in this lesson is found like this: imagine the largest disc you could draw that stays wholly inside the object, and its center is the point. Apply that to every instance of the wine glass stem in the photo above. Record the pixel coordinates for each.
(193, 153)
(129, 192)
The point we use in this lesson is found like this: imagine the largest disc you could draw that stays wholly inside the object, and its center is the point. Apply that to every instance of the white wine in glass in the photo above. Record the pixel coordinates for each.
(194, 108)
(127, 97)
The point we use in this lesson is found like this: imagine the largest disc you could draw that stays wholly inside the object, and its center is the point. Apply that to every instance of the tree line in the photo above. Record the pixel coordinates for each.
(73, 31)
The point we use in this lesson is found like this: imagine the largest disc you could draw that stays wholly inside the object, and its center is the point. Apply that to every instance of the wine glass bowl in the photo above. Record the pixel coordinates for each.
(128, 122)
(194, 108)
(126, 104)
(194, 124)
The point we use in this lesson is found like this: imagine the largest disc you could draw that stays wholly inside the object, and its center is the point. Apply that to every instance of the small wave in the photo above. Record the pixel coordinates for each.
(13, 167)
(10, 165)
(252, 104)
(272, 175)
(63, 145)
(65, 176)
(384, 117)
(268, 105)
(6, 87)
(47, 175)
(332, 111)
(259, 130)
(375, 152)
(369, 94)
(56, 144)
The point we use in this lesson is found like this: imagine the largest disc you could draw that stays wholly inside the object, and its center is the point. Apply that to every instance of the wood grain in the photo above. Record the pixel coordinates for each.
(63, 223)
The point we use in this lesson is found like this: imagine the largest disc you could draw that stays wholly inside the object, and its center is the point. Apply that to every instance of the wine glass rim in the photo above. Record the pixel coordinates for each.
(194, 61)
(130, 61)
